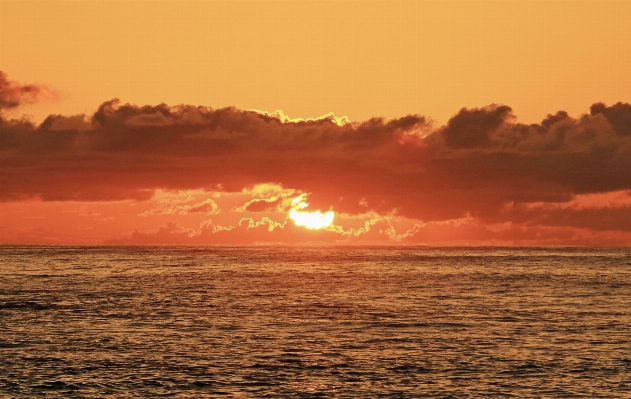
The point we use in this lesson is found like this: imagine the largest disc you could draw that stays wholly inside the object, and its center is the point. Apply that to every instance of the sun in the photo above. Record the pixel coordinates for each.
(311, 220)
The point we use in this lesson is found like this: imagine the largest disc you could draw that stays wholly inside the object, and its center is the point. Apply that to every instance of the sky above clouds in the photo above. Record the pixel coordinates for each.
(443, 123)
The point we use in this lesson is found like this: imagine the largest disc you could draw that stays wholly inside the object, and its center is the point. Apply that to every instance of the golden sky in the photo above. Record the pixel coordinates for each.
(470, 148)
(356, 58)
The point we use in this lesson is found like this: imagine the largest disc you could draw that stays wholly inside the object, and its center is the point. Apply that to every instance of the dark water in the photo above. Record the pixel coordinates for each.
(91, 322)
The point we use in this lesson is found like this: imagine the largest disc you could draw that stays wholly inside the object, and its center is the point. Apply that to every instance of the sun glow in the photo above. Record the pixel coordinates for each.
(311, 220)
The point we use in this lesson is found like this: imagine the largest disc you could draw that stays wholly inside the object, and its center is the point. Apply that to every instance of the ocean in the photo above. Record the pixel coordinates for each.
(325, 322)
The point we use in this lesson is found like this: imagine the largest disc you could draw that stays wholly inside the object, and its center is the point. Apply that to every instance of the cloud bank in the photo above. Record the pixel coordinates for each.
(481, 164)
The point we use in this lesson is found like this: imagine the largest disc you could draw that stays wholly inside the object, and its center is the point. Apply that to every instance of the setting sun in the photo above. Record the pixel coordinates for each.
(315, 198)
(311, 220)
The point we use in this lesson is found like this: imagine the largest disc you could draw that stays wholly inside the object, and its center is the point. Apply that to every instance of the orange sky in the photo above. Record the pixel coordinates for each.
(471, 122)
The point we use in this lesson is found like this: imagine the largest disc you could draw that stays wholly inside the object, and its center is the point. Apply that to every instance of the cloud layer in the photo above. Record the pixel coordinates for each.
(481, 164)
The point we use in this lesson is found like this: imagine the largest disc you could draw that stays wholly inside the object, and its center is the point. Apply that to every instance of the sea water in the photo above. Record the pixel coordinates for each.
(338, 322)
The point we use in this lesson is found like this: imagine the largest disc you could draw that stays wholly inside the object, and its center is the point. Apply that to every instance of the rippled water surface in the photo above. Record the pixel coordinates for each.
(91, 322)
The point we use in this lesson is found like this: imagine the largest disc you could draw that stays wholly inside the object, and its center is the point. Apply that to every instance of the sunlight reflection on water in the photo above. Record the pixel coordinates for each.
(305, 322)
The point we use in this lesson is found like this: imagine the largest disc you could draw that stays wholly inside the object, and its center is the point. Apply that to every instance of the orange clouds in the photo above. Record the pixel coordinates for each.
(482, 166)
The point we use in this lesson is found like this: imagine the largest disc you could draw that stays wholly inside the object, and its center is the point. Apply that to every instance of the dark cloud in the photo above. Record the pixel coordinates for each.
(14, 94)
(552, 119)
(475, 165)
(619, 115)
(597, 218)
(262, 205)
(473, 127)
